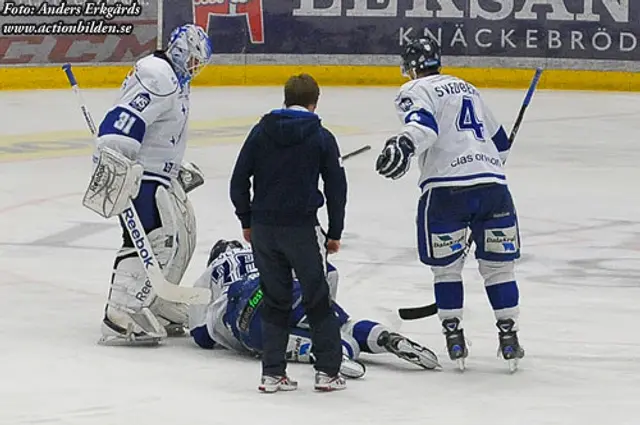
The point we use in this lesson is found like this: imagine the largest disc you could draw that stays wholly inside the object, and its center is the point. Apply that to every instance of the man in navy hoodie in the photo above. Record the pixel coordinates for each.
(286, 153)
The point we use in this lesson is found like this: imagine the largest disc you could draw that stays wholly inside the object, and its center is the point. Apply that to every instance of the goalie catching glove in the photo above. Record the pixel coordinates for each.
(395, 159)
(115, 181)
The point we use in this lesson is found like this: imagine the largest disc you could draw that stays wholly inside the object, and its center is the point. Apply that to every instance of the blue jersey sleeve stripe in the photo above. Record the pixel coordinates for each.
(123, 122)
(501, 140)
(424, 118)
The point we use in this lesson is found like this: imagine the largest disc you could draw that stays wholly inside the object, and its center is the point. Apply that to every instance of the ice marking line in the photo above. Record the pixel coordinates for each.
(67, 236)
(65, 144)
(38, 201)
(38, 245)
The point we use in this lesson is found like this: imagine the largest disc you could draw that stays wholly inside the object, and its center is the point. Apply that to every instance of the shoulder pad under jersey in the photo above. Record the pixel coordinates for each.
(156, 76)
(404, 98)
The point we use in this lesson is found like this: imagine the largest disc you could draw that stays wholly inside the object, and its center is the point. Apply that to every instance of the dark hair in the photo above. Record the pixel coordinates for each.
(301, 90)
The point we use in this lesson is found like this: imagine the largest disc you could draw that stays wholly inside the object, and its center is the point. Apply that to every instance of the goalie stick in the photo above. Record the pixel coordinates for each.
(164, 289)
(413, 313)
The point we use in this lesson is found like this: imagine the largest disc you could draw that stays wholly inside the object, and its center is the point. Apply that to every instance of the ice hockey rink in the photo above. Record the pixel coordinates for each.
(574, 175)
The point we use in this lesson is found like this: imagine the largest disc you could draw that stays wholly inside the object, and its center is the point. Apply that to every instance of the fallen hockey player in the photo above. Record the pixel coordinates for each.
(232, 319)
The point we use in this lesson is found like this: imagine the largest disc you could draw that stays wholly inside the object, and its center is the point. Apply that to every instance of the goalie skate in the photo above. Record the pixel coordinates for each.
(140, 328)
(408, 350)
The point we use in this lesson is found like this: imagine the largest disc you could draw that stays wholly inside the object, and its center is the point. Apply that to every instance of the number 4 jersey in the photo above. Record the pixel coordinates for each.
(148, 122)
(458, 141)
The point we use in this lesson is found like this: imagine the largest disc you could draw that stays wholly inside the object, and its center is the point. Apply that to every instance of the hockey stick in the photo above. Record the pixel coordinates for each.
(356, 152)
(413, 313)
(164, 289)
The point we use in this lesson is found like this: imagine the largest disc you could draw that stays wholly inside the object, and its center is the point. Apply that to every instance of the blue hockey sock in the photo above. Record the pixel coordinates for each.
(366, 333)
(504, 298)
(449, 298)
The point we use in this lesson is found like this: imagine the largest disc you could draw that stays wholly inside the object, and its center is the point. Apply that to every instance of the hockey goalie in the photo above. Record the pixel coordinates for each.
(139, 173)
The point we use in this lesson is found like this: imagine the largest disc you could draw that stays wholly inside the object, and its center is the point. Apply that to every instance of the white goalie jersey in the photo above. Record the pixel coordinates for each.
(148, 123)
(457, 139)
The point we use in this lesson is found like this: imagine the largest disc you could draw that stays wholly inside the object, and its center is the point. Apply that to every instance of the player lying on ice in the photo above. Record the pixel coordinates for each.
(232, 319)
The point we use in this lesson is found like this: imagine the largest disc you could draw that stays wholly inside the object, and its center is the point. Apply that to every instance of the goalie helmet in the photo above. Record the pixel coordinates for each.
(220, 247)
(189, 50)
(421, 55)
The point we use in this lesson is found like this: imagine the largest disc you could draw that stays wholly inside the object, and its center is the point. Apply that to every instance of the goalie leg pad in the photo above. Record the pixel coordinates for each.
(173, 244)
(169, 221)
(128, 318)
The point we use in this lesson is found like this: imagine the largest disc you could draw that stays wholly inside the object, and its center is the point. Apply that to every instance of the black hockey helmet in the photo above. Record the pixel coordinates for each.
(421, 55)
(220, 247)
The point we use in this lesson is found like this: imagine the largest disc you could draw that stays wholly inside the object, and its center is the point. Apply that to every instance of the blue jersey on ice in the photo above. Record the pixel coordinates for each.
(233, 318)
(244, 305)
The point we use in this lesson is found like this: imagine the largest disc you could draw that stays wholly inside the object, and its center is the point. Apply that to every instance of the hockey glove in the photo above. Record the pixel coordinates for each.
(395, 159)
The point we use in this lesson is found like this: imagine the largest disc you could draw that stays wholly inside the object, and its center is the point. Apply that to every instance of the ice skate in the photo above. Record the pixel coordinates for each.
(328, 383)
(272, 384)
(456, 344)
(408, 350)
(510, 347)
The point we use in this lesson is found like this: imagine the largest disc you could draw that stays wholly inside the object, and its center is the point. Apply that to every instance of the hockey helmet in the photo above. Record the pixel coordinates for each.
(222, 246)
(421, 55)
(189, 50)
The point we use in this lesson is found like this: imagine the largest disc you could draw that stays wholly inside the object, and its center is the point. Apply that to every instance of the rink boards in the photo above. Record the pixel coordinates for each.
(581, 44)
(29, 78)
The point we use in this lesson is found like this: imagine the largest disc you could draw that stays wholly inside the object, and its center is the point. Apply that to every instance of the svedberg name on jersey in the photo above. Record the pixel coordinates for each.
(148, 122)
(458, 141)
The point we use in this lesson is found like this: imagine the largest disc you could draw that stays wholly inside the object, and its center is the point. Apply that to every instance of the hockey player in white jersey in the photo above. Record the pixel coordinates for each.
(233, 319)
(460, 149)
(146, 129)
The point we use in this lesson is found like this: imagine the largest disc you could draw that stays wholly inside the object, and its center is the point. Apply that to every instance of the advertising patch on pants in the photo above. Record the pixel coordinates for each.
(446, 244)
(501, 241)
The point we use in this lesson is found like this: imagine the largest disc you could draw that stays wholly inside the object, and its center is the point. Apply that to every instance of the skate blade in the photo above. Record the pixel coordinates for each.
(426, 362)
(418, 355)
(115, 341)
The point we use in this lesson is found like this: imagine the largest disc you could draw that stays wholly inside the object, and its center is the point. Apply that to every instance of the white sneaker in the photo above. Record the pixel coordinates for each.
(328, 383)
(272, 384)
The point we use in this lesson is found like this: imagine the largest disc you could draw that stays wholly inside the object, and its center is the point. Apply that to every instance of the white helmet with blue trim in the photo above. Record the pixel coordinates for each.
(189, 50)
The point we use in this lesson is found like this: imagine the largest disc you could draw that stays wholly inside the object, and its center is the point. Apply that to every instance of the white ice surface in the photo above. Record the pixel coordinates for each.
(574, 174)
